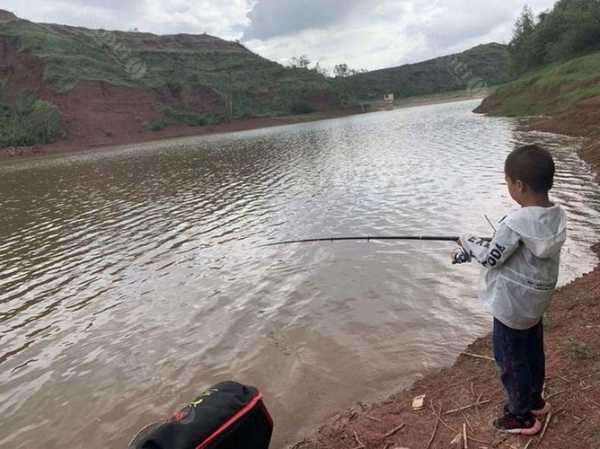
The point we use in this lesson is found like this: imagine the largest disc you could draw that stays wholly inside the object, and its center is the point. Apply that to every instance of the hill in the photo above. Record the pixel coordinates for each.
(106, 77)
(98, 87)
(475, 68)
(553, 89)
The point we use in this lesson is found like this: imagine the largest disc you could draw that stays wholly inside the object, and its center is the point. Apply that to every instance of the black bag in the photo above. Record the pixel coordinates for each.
(226, 416)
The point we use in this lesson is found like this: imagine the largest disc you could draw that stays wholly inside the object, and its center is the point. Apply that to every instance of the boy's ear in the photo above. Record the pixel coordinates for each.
(521, 186)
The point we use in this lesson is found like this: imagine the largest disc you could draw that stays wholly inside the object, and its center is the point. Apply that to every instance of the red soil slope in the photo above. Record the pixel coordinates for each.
(96, 112)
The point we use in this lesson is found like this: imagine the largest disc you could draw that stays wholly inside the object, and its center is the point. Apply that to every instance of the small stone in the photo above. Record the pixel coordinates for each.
(418, 402)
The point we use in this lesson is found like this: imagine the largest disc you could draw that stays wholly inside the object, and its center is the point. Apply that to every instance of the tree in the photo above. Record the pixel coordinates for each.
(321, 70)
(300, 62)
(521, 45)
(341, 71)
(571, 28)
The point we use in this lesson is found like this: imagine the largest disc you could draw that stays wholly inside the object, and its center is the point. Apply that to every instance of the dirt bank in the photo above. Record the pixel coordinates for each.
(96, 142)
(573, 368)
(582, 120)
(86, 136)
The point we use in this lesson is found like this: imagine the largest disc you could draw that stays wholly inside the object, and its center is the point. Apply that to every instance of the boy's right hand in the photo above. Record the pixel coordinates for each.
(461, 255)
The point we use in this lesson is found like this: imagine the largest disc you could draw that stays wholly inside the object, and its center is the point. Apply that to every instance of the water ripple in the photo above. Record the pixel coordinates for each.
(131, 279)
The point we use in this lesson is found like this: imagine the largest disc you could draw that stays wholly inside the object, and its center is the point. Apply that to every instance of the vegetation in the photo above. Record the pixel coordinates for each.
(552, 89)
(484, 65)
(570, 29)
(301, 107)
(557, 58)
(580, 350)
(30, 121)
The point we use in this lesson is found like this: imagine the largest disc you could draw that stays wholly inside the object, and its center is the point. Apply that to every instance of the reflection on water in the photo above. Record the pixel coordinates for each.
(132, 279)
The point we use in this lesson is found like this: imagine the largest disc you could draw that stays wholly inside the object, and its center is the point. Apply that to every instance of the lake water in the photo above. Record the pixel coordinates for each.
(132, 279)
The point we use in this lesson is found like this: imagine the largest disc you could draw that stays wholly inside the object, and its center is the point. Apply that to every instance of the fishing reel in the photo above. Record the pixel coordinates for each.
(461, 256)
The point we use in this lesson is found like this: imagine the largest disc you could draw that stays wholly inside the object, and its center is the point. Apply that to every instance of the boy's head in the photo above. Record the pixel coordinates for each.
(529, 173)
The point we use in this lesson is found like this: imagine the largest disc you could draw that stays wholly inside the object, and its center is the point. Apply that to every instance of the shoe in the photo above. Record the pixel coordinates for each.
(511, 424)
(541, 408)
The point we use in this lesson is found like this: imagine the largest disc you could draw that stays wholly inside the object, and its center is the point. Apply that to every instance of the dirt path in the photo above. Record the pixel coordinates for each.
(572, 327)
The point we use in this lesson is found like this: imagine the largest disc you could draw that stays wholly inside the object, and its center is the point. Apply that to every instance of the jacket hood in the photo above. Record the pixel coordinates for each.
(543, 230)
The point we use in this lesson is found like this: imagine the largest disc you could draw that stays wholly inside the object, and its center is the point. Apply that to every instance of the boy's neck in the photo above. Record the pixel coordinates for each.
(536, 200)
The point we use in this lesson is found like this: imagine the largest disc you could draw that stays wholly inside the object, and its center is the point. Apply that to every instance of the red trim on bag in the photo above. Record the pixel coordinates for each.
(248, 407)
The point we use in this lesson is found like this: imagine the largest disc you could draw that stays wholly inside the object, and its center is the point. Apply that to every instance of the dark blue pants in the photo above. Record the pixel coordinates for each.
(520, 357)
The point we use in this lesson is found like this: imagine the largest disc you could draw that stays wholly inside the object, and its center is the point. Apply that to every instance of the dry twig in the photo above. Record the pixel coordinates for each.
(437, 424)
(393, 431)
(360, 443)
(467, 407)
(487, 443)
(556, 394)
(477, 356)
(548, 419)
(465, 440)
(372, 418)
(467, 422)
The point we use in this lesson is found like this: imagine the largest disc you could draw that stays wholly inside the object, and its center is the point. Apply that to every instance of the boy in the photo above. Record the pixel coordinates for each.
(520, 272)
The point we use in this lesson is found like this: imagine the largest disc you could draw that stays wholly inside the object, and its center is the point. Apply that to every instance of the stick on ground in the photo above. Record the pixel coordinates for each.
(548, 419)
(360, 443)
(467, 407)
(477, 356)
(372, 418)
(437, 424)
(393, 431)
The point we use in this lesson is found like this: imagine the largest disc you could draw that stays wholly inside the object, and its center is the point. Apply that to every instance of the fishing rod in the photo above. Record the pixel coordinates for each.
(429, 238)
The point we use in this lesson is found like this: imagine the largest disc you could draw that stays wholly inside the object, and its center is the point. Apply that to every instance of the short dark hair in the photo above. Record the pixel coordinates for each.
(532, 165)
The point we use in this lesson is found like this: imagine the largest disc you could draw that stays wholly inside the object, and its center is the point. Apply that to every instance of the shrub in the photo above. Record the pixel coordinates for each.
(301, 107)
(30, 121)
(157, 125)
(45, 121)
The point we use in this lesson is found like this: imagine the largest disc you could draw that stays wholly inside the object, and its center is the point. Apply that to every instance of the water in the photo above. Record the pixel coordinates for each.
(132, 279)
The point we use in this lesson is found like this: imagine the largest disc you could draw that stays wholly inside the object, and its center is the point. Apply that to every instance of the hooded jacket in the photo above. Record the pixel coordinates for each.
(520, 265)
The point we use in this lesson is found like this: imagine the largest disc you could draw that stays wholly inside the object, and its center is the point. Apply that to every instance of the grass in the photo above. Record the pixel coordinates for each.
(552, 89)
(580, 351)
(29, 122)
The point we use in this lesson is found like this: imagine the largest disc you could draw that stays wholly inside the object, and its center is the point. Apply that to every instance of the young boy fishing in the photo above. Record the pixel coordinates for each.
(520, 272)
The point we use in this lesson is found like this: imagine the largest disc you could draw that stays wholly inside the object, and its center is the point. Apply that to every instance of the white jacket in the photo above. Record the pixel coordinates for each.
(520, 265)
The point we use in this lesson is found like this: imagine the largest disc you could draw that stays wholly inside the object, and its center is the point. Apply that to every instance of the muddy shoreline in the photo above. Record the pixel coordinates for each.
(465, 398)
(78, 145)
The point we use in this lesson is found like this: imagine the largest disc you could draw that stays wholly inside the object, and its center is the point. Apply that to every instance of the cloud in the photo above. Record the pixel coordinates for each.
(272, 18)
(226, 19)
(383, 33)
(367, 34)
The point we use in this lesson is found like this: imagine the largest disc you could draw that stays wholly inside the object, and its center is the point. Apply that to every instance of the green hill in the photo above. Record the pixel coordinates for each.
(484, 65)
(550, 90)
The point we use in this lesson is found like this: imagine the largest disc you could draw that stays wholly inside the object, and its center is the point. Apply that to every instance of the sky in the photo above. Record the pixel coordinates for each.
(365, 34)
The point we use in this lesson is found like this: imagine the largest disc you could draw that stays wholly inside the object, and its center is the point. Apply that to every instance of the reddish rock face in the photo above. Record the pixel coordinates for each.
(7, 16)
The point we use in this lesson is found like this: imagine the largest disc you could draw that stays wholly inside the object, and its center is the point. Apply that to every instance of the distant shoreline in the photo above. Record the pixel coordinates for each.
(73, 147)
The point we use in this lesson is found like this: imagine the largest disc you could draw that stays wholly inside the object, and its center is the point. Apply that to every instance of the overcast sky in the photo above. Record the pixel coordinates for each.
(366, 34)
